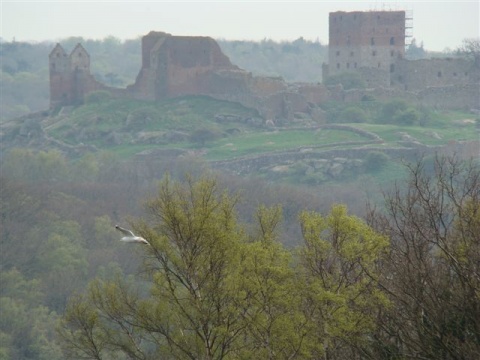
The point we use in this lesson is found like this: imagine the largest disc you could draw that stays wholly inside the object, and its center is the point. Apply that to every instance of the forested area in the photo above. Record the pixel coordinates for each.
(236, 268)
(265, 272)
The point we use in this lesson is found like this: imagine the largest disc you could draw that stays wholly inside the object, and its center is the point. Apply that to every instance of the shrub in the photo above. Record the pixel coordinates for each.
(349, 80)
(376, 161)
(97, 97)
(353, 115)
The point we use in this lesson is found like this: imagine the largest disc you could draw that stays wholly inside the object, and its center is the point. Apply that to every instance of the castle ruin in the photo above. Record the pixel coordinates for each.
(370, 43)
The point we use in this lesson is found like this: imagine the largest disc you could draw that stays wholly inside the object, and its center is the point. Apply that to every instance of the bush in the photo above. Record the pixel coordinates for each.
(97, 97)
(349, 80)
(203, 135)
(353, 115)
(375, 161)
(399, 112)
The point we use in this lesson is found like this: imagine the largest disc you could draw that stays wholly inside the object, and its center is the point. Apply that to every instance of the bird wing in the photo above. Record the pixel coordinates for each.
(125, 231)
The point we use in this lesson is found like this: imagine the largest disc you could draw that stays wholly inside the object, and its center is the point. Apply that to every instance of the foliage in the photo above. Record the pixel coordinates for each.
(97, 96)
(398, 111)
(470, 49)
(348, 80)
(339, 264)
(414, 51)
(203, 135)
(376, 160)
(212, 290)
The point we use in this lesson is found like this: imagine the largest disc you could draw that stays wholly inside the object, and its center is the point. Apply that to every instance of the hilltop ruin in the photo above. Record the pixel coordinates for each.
(370, 43)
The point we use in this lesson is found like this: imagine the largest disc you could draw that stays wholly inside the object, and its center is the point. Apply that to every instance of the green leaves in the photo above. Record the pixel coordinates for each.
(339, 268)
(212, 291)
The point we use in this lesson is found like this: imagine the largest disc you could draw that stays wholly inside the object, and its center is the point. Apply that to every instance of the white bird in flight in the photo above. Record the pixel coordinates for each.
(130, 236)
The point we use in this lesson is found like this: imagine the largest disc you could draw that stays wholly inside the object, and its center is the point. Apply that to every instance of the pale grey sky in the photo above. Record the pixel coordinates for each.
(439, 24)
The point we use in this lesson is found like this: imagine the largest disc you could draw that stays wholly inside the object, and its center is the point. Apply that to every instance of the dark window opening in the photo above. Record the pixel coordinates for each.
(378, 65)
(392, 41)
(338, 65)
(455, 74)
(355, 65)
(372, 41)
(439, 74)
(374, 53)
(348, 65)
(392, 68)
(338, 53)
(392, 53)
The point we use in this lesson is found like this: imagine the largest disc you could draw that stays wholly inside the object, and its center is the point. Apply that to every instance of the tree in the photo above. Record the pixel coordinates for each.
(432, 272)
(339, 270)
(471, 49)
(208, 292)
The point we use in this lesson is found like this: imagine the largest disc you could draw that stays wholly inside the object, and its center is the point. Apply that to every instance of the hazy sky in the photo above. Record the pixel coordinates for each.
(439, 24)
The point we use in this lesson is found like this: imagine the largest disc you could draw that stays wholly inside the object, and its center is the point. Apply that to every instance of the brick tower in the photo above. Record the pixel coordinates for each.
(70, 77)
(365, 40)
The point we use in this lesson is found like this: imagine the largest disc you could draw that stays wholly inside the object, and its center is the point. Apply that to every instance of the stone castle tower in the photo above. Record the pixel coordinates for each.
(365, 40)
(70, 78)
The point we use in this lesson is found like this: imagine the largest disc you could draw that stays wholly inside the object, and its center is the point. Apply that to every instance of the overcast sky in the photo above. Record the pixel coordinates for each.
(439, 24)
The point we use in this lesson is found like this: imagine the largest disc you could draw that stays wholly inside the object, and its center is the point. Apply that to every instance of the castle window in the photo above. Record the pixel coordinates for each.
(338, 65)
(355, 17)
(355, 65)
(455, 74)
(378, 65)
(466, 74)
(351, 53)
(348, 40)
(348, 65)
(439, 74)
(392, 41)
(338, 53)
(392, 68)
(374, 53)
(392, 53)
(372, 41)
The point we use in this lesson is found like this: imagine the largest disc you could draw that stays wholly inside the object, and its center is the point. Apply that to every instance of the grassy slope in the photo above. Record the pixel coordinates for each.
(185, 115)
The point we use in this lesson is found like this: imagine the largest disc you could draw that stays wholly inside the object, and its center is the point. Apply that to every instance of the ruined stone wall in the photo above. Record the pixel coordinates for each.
(420, 74)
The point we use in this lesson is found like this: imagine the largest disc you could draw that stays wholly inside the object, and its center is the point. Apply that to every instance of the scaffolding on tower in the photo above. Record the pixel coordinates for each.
(408, 27)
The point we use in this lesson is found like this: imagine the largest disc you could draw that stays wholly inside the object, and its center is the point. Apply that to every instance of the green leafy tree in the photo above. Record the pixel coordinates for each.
(210, 290)
(192, 264)
(339, 267)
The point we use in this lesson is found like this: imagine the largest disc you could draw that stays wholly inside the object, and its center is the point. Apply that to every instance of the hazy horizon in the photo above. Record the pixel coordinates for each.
(438, 25)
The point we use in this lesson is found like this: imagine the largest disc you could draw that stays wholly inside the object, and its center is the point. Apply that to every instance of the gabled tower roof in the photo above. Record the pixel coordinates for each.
(58, 50)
